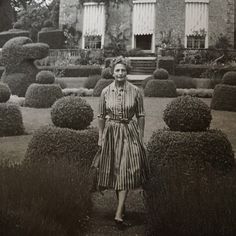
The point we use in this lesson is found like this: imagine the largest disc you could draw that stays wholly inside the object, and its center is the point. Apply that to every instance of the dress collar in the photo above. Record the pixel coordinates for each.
(114, 88)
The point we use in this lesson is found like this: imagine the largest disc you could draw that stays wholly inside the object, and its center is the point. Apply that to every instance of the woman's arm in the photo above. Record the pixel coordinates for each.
(141, 125)
(101, 124)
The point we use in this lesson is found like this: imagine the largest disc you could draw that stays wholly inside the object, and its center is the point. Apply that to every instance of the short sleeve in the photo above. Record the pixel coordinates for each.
(139, 104)
(102, 106)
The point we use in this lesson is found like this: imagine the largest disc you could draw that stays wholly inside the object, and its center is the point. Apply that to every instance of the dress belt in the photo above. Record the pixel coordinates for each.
(120, 120)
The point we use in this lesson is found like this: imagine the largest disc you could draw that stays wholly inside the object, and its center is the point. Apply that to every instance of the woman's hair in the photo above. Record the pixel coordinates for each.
(120, 60)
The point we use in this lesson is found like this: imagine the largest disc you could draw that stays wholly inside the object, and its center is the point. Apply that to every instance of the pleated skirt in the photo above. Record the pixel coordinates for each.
(123, 163)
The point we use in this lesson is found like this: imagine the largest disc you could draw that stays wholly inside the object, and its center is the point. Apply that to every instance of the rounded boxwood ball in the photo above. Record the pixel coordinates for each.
(100, 85)
(229, 78)
(187, 113)
(50, 143)
(72, 112)
(11, 120)
(161, 74)
(160, 88)
(42, 95)
(5, 92)
(45, 77)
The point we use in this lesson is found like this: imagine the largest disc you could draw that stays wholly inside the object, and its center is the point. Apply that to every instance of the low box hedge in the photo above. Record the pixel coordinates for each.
(54, 38)
(75, 71)
(190, 70)
(6, 35)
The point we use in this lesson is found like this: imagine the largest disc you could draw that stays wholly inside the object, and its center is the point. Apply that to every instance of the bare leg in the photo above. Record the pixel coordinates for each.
(122, 194)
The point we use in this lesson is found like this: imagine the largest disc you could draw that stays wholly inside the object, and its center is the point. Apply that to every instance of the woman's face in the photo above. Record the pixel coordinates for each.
(120, 72)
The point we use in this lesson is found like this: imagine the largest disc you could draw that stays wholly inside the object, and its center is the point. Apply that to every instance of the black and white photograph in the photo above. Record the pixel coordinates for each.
(117, 117)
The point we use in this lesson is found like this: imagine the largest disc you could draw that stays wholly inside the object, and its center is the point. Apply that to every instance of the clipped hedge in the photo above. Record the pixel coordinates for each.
(200, 93)
(224, 98)
(45, 77)
(42, 95)
(18, 56)
(44, 199)
(145, 81)
(161, 74)
(191, 70)
(5, 92)
(91, 81)
(229, 78)
(52, 143)
(192, 184)
(54, 38)
(167, 63)
(72, 112)
(75, 71)
(187, 113)
(183, 81)
(101, 84)
(11, 120)
(160, 88)
(106, 73)
(12, 33)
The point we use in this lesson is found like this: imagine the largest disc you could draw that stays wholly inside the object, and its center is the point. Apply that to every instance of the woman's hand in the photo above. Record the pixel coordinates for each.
(99, 142)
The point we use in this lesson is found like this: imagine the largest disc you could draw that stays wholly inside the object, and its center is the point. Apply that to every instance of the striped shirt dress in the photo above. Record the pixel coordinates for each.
(123, 164)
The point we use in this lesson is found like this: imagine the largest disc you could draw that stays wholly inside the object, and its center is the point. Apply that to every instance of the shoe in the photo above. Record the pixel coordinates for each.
(121, 224)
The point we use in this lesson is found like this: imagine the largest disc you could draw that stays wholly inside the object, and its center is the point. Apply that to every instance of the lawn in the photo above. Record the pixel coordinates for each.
(14, 148)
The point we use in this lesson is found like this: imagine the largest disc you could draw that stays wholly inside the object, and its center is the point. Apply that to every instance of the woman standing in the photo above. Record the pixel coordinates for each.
(123, 164)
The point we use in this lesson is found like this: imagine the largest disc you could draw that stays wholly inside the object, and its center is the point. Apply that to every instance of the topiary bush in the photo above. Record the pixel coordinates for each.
(91, 81)
(42, 95)
(101, 84)
(192, 173)
(53, 37)
(72, 112)
(167, 63)
(11, 120)
(44, 198)
(52, 143)
(192, 183)
(161, 74)
(224, 98)
(12, 33)
(183, 81)
(145, 81)
(5, 92)
(106, 73)
(160, 88)
(229, 78)
(61, 83)
(187, 113)
(45, 77)
(18, 56)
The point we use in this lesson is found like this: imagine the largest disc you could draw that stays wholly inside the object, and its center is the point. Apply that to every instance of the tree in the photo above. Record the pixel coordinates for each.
(6, 15)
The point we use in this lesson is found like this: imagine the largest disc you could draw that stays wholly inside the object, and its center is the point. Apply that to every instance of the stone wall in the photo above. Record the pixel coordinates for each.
(170, 19)
(221, 20)
(119, 19)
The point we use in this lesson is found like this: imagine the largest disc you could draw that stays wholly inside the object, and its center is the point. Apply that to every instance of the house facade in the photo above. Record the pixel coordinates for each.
(146, 24)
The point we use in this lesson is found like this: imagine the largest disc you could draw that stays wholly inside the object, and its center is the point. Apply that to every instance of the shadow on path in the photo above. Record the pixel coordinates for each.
(102, 223)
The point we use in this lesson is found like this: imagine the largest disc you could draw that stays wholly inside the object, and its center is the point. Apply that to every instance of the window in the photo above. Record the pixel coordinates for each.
(93, 25)
(143, 24)
(196, 23)
(195, 41)
(94, 42)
